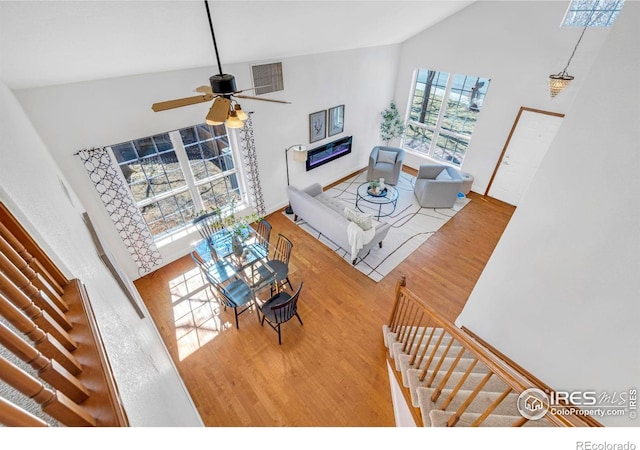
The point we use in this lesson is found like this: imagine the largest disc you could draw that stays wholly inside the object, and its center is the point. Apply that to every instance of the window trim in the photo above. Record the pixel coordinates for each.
(436, 129)
(191, 183)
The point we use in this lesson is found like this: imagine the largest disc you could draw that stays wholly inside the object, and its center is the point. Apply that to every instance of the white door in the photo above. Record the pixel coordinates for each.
(530, 138)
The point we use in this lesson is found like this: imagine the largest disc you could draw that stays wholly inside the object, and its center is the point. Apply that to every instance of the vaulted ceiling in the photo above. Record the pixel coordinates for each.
(54, 42)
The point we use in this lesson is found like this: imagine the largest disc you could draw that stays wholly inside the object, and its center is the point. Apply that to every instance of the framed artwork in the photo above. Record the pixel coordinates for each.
(317, 125)
(336, 120)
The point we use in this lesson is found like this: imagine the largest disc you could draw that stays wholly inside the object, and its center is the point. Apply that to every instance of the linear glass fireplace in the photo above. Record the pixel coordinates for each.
(328, 152)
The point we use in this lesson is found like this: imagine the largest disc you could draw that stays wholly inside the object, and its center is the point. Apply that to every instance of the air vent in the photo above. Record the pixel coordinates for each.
(267, 78)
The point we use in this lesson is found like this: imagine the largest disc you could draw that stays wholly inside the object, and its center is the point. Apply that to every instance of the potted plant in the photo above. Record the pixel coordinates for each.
(392, 125)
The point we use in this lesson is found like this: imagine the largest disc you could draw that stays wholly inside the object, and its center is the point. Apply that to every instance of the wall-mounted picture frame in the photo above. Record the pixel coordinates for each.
(317, 126)
(336, 120)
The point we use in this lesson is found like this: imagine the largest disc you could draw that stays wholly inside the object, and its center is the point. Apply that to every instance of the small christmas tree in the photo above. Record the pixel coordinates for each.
(392, 125)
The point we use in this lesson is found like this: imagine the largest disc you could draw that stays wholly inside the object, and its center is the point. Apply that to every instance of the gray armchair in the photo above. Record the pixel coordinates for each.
(385, 162)
(437, 186)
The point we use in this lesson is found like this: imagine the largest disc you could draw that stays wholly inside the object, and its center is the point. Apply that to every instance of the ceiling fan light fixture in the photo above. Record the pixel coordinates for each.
(241, 114)
(233, 121)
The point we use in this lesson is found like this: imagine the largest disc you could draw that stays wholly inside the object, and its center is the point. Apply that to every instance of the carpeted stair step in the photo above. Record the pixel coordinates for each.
(483, 400)
(440, 418)
(402, 358)
(390, 337)
(494, 384)
(398, 348)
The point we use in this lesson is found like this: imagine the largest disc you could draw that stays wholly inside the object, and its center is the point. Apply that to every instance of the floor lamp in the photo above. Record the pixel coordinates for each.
(299, 154)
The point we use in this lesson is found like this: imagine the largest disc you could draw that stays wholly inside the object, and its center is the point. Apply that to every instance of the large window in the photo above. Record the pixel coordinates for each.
(595, 13)
(175, 175)
(443, 113)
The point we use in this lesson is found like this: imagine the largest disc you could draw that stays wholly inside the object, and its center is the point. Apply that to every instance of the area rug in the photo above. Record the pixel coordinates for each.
(411, 225)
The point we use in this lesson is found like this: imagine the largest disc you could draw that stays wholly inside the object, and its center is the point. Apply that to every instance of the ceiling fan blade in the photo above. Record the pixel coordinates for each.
(204, 90)
(170, 104)
(219, 111)
(252, 89)
(260, 98)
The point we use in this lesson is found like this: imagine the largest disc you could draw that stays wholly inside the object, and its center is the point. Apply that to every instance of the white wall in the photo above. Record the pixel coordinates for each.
(151, 389)
(516, 44)
(98, 113)
(560, 294)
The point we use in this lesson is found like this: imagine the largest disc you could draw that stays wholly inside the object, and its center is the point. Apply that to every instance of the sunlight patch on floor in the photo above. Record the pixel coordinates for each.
(196, 312)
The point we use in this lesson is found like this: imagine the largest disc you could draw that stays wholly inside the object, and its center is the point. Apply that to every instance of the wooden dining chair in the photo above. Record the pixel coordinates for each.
(279, 309)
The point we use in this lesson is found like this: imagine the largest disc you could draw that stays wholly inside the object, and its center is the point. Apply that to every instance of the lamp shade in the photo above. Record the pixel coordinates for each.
(241, 114)
(299, 152)
(233, 121)
(558, 83)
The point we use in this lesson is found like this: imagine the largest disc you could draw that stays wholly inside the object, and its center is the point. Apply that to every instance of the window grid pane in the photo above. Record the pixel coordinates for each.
(428, 96)
(158, 184)
(594, 13)
(442, 129)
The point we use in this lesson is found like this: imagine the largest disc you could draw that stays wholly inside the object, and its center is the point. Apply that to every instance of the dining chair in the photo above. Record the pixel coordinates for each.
(263, 234)
(237, 295)
(211, 228)
(279, 263)
(279, 309)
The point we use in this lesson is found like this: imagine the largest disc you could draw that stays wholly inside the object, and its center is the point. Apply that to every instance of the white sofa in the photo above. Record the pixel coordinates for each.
(326, 214)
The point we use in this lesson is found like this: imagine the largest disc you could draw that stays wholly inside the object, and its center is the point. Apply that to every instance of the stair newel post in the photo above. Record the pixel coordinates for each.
(398, 294)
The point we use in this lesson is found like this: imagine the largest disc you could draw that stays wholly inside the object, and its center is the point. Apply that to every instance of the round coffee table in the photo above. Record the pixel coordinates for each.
(389, 196)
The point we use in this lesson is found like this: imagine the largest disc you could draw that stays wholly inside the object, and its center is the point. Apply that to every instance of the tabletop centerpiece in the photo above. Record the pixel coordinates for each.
(377, 188)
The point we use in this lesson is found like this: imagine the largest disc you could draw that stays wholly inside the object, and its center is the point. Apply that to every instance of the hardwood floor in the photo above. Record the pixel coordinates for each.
(331, 371)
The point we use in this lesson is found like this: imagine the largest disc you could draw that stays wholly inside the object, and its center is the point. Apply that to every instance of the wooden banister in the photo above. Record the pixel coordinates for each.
(56, 404)
(40, 317)
(38, 297)
(42, 341)
(406, 322)
(49, 370)
(34, 277)
(48, 326)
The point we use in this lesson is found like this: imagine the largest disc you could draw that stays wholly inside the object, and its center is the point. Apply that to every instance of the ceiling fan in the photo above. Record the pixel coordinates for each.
(222, 90)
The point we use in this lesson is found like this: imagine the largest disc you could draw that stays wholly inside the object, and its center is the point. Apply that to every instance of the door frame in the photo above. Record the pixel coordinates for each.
(511, 133)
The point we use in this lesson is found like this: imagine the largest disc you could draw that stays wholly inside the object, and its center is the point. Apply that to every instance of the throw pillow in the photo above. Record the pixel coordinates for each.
(364, 221)
(386, 156)
(444, 176)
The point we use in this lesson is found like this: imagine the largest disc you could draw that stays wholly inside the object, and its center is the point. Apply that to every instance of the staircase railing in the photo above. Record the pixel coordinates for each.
(52, 358)
(428, 338)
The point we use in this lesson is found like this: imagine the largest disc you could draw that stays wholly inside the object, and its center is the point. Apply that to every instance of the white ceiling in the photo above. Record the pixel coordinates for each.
(54, 42)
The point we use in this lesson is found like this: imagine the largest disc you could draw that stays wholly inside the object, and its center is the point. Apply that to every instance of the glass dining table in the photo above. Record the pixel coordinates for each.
(225, 261)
